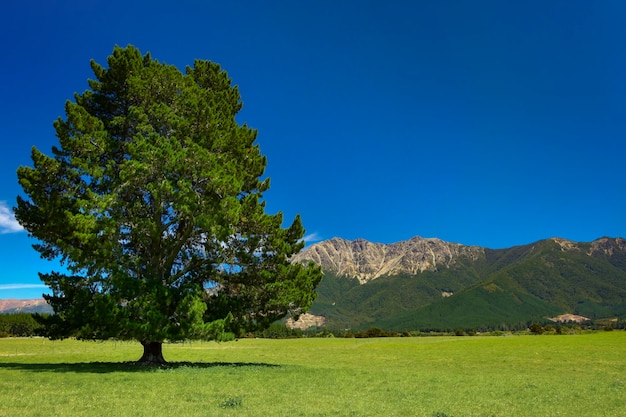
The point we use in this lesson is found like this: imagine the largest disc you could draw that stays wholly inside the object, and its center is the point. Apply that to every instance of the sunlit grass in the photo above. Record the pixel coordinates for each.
(576, 375)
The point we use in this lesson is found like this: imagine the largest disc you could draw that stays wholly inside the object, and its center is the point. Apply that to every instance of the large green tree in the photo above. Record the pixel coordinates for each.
(153, 203)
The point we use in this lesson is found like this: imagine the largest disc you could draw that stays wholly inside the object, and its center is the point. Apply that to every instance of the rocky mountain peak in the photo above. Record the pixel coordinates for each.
(565, 244)
(366, 260)
(608, 246)
(604, 245)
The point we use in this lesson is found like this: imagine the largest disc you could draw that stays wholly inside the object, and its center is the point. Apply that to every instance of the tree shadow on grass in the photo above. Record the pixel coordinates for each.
(108, 367)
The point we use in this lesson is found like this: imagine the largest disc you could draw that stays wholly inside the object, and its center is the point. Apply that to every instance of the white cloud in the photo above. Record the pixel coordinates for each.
(8, 224)
(312, 237)
(21, 286)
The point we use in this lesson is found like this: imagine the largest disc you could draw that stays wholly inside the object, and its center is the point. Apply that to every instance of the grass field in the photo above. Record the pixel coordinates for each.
(574, 375)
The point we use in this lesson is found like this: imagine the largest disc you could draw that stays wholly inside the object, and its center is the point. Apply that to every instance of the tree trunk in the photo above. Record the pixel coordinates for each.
(152, 353)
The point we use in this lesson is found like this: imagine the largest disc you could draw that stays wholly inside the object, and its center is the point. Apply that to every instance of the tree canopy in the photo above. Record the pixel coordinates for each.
(153, 202)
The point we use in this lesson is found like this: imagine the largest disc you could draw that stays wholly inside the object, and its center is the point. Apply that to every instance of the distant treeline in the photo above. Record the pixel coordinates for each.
(25, 325)
(281, 331)
(19, 325)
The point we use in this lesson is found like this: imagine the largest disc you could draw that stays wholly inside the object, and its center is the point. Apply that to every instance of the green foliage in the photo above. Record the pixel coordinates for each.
(153, 200)
(372, 332)
(536, 328)
(226, 337)
(19, 324)
(279, 331)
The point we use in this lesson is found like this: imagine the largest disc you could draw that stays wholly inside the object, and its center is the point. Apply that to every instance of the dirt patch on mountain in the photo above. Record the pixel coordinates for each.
(566, 318)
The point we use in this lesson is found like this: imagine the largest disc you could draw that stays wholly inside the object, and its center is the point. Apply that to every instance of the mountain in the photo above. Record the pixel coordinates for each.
(367, 261)
(432, 284)
(37, 305)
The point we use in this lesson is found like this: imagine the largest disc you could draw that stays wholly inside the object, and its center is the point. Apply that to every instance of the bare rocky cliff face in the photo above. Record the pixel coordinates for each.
(366, 261)
(609, 246)
(604, 245)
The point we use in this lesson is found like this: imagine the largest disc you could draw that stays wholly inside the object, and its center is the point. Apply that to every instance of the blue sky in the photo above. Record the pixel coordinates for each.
(485, 123)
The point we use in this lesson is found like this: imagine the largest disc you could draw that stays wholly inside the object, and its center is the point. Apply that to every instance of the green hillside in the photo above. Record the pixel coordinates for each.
(347, 304)
(488, 307)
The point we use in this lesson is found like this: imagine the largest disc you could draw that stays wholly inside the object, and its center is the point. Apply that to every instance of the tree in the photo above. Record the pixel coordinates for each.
(153, 203)
(536, 328)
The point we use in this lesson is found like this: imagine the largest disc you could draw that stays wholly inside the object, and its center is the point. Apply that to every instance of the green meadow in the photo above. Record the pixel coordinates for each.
(548, 375)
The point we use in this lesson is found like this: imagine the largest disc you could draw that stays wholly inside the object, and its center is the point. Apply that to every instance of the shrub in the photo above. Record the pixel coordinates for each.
(375, 332)
(536, 328)
(279, 331)
(226, 337)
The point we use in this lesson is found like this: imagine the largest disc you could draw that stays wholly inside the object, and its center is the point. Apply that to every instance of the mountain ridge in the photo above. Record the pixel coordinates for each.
(33, 305)
(429, 283)
(366, 260)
